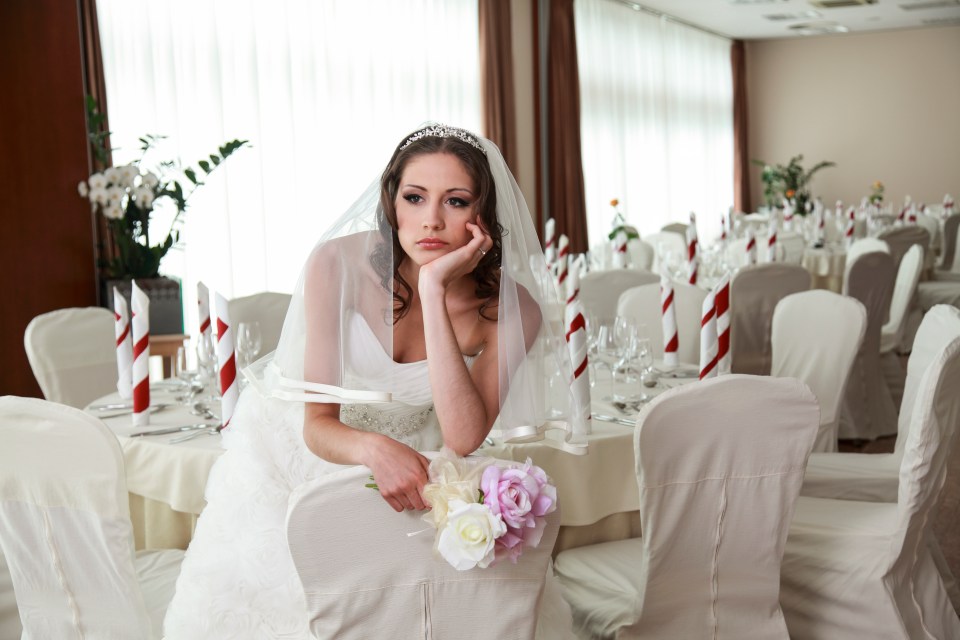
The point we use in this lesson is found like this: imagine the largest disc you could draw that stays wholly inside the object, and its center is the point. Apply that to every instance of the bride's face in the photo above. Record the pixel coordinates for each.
(435, 201)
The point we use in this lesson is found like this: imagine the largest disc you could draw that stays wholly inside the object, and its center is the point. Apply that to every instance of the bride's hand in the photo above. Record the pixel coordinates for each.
(458, 263)
(400, 474)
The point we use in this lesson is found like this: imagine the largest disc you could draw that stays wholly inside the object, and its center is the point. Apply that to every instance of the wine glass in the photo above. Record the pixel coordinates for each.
(608, 351)
(207, 361)
(249, 342)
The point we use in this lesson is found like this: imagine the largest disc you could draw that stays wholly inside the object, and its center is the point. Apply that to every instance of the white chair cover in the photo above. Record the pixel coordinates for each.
(864, 569)
(643, 303)
(754, 294)
(900, 239)
(401, 587)
(816, 336)
(669, 247)
(904, 289)
(719, 467)
(676, 227)
(73, 354)
(600, 290)
(873, 477)
(793, 245)
(641, 253)
(948, 248)
(268, 309)
(859, 248)
(932, 225)
(868, 409)
(65, 528)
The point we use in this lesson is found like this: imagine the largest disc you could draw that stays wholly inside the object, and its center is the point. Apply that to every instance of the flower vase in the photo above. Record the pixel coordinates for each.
(166, 301)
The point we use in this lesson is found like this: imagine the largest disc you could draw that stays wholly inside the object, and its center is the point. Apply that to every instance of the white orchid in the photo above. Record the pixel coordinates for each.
(115, 195)
(113, 211)
(82, 189)
(150, 179)
(127, 174)
(143, 196)
(97, 181)
(112, 174)
(98, 195)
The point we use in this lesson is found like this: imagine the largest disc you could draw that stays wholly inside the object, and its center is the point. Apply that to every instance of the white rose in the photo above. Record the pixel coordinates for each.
(143, 196)
(113, 211)
(468, 539)
(82, 189)
(112, 175)
(150, 179)
(98, 195)
(97, 181)
(126, 174)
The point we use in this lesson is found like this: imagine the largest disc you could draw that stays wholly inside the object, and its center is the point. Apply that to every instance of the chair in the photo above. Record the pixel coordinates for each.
(643, 303)
(267, 308)
(900, 239)
(892, 332)
(873, 477)
(670, 247)
(719, 467)
(754, 294)
(641, 254)
(816, 335)
(65, 529)
(600, 290)
(362, 571)
(793, 245)
(864, 569)
(73, 354)
(859, 248)
(868, 409)
(949, 267)
(676, 227)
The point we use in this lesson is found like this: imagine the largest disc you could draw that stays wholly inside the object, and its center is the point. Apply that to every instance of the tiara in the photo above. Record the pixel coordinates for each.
(443, 131)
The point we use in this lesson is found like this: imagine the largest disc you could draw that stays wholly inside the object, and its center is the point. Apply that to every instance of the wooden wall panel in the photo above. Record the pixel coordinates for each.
(46, 235)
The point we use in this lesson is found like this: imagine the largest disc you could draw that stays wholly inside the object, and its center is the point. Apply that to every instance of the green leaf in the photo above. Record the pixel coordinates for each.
(215, 159)
(205, 166)
(372, 486)
(191, 175)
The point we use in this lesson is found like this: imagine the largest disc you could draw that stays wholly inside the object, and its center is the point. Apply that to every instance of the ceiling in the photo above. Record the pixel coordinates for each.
(763, 19)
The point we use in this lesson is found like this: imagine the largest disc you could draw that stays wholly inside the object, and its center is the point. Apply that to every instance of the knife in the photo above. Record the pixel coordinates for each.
(623, 421)
(160, 432)
(118, 411)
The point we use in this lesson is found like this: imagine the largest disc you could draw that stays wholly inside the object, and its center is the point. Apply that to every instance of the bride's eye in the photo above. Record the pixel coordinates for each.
(458, 202)
(413, 198)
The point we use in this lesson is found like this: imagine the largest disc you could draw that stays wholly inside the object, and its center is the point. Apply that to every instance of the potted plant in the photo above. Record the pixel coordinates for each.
(788, 182)
(126, 196)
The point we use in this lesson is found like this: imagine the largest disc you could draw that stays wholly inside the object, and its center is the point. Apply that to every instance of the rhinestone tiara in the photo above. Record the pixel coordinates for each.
(443, 131)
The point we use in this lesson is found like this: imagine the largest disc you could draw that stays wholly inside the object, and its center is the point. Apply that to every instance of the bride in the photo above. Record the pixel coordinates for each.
(417, 323)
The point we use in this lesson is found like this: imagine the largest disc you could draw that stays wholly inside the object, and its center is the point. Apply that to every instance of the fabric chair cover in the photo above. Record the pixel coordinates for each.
(900, 239)
(932, 225)
(669, 247)
(864, 569)
(859, 248)
(600, 290)
(873, 477)
(676, 227)
(904, 290)
(267, 308)
(793, 246)
(643, 303)
(754, 294)
(65, 528)
(948, 246)
(73, 354)
(719, 467)
(398, 582)
(868, 409)
(641, 254)
(816, 335)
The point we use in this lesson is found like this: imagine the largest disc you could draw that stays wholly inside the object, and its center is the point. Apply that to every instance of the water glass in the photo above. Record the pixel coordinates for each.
(249, 342)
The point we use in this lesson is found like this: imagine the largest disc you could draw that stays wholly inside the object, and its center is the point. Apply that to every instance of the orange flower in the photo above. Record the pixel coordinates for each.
(614, 202)
(790, 193)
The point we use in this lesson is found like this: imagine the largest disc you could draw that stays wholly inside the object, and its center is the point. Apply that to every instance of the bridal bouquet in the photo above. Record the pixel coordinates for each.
(484, 511)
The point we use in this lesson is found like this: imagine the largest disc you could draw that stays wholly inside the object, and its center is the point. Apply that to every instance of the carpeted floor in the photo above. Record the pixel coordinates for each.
(946, 524)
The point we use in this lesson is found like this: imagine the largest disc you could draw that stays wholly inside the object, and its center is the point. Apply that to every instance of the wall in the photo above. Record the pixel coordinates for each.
(883, 106)
(46, 246)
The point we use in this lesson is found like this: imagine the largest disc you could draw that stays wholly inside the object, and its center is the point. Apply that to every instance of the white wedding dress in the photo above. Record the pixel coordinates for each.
(238, 580)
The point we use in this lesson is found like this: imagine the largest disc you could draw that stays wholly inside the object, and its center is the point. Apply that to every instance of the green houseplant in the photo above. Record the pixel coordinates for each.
(790, 182)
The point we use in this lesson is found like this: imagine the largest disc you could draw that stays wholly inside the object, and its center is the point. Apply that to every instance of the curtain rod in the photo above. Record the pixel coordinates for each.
(665, 16)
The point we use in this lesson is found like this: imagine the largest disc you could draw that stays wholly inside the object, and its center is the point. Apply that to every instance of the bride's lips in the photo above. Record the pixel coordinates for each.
(431, 243)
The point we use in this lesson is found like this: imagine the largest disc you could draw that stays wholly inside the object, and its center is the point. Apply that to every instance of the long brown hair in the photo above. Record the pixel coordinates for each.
(486, 275)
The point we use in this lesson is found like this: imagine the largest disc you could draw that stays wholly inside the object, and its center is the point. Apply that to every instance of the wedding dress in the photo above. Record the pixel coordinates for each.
(238, 580)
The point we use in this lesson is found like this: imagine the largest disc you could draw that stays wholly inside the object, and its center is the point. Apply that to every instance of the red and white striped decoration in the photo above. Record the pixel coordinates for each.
(121, 331)
(140, 321)
(572, 292)
(620, 249)
(549, 247)
(851, 226)
(563, 246)
(751, 248)
(838, 212)
(787, 214)
(912, 215)
(821, 235)
(203, 307)
(693, 250)
(772, 241)
(563, 254)
(721, 297)
(227, 360)
(947, 205)
(668, 315)
(577, 345)
(723, 228)
(708, 338)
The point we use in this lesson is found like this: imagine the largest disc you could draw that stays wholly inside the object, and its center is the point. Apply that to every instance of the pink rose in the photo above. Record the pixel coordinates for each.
(521, 496)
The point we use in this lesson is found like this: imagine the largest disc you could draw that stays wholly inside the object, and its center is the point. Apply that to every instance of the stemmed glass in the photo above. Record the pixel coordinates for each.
(608, 352)
(207, 362)
(249, 342)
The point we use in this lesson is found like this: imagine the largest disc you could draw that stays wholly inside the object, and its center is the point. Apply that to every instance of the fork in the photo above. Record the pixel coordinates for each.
(196, 434)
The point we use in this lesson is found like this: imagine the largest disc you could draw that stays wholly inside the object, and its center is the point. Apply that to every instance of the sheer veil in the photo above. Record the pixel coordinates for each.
(343, 286)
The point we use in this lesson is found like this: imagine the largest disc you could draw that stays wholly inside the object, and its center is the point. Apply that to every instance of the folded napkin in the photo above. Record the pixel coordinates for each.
(121, 331)
(851, 226)
(708, 337)
(620, 249)
(549, 246)
(227, 360)
(668, 317)
(140, 306)
(693, 250)
(721, 298)
(203, 307)
(751, 247)
(577, 344)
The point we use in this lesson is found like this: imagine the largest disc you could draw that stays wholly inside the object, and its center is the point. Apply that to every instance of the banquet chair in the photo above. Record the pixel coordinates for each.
(269, 309)
(641, 254)
(816, 335)
(900, 239)
(72, 353)
(861, 247)
(670, 249)
(949, 266)
(868, 409)
(676, 227)
(892, 332)
(719, 467)
(600, 290)
(932, 225)
(363, 572)
(754, 293)
(65, 529)
(643, 303)
(865, 569)
(793, 245)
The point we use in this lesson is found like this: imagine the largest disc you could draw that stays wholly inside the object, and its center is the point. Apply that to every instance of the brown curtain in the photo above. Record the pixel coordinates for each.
(565, 197)
(94, 85)
(741, 161)
(496, 78)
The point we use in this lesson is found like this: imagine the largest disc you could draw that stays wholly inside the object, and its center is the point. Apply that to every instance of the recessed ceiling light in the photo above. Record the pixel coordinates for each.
(817, 28)
(800, 15)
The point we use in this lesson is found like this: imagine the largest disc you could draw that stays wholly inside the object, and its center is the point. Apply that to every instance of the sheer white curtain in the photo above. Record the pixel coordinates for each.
(656, 104)
(323, 91)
